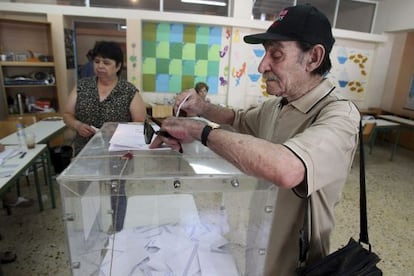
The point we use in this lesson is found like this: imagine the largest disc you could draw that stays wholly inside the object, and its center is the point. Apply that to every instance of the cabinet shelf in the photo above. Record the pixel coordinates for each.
(27, 64)
(16, 36)
(29, 85)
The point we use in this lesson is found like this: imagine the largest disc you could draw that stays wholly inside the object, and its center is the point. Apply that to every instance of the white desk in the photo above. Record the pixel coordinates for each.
(11, 169)
(382, 123)
(398, 119)
(44, 131)
(384, 126)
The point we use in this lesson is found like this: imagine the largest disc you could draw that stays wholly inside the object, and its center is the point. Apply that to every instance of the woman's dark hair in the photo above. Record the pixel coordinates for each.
(111, 50)
(200, 85)
(326, 64)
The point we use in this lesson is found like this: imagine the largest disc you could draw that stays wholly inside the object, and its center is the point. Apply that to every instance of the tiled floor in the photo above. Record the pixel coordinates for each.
(39, 239)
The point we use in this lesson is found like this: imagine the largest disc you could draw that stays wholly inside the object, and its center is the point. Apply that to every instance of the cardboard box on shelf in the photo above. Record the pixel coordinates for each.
(161, 110)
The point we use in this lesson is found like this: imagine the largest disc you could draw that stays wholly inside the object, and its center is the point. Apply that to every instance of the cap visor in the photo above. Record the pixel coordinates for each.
(263, 37)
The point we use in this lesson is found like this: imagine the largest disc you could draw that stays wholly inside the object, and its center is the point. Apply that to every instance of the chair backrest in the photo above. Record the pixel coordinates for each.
(48, 115)
(7, 127)
(24, 120)
(368, 131)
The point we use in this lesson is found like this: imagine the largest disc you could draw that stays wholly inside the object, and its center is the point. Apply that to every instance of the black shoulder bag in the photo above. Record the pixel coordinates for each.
(353, 258)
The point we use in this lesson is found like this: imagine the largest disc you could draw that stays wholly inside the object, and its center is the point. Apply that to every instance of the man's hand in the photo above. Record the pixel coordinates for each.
(181, 131)
(190, 102)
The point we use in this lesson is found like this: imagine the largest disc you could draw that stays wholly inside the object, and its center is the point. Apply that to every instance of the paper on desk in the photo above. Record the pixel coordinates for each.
(6, 173)
(7, 154)
(130, 137)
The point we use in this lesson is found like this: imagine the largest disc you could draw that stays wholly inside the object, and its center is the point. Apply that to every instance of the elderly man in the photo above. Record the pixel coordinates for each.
(303, 140)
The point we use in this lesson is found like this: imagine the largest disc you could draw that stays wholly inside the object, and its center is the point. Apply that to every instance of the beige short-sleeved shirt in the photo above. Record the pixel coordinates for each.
(322, 131)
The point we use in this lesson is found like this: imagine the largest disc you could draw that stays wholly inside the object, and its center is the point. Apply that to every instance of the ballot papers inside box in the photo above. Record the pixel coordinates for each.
(164, 213)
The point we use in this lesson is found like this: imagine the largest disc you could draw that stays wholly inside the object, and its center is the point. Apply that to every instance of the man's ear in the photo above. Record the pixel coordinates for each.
(315, 58)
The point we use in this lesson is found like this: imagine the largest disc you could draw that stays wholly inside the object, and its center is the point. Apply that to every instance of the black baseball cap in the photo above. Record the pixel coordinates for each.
(298, 23)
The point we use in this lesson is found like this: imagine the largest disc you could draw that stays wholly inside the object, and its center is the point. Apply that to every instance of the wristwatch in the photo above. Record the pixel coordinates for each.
(206, 131)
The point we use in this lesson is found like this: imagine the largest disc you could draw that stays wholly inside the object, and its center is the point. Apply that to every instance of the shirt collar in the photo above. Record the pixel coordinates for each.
(307, 101)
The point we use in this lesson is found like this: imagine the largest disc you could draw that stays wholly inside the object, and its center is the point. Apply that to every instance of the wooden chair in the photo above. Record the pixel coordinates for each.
(47, 115)
(8, 127)
(24, 120)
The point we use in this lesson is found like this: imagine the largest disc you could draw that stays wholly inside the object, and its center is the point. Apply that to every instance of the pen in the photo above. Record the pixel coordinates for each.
(23, 154)
(163, 132)
(181, 104)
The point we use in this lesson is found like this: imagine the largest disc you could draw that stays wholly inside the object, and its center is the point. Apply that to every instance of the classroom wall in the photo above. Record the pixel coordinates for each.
(394, 16)
(379, 47)
(85, 42)
(404, 78)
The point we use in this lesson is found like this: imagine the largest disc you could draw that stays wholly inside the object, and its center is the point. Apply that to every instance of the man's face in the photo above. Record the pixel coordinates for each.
(284, 68)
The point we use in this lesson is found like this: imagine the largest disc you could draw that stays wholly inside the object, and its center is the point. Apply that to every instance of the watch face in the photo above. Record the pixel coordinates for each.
(214, 125)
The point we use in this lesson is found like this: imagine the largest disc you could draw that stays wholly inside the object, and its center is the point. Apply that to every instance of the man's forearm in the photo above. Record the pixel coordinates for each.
(218, 114)
(258, 157)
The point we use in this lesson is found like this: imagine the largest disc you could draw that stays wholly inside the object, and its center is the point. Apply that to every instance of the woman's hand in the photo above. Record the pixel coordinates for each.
(85, 130)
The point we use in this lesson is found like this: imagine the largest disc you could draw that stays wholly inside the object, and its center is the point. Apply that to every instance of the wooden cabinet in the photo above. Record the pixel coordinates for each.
(27, 70)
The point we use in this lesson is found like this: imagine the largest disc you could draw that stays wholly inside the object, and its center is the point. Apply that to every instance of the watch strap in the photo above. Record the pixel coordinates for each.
(205, 133)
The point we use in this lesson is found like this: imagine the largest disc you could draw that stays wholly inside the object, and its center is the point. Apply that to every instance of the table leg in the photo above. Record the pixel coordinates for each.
(397, 140)
(38, 191)
(49, 177)
(5, 206)
(18, 187)
(44, 164)
(373, 139)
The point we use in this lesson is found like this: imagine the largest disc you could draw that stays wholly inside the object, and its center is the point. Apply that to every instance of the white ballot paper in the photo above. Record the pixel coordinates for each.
(180, 244)
(130, 137)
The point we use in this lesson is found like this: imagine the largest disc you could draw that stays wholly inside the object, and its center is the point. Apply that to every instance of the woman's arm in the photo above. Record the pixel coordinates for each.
(82, 129)
(137, 108)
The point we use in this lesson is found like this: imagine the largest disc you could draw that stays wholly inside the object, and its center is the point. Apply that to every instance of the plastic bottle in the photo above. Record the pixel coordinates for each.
(20, 103)
(21, 136)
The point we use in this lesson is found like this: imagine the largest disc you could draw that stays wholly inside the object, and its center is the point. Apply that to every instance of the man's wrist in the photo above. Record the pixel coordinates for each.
(206, 132)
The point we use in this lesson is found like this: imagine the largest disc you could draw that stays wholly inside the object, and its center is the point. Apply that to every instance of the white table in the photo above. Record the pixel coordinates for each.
(384, 126)
(12, 168)
(43, 130)
(398, 119)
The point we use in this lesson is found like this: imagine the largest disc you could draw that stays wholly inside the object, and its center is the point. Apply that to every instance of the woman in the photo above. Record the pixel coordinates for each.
(202, 89)
(102, 98)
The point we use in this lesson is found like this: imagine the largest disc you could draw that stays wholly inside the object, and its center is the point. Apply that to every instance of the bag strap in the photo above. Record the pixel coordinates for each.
(363, 234)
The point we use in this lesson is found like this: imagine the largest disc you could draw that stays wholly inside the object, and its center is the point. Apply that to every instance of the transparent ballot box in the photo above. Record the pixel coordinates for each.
(161, 212)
